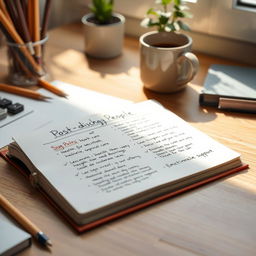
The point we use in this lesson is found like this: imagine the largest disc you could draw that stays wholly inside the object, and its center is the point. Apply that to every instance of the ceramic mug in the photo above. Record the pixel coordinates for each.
(166, 61)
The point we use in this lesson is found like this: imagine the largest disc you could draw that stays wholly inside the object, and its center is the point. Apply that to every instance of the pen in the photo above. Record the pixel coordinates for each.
(25, 222)
(23, 92)
(240, 105)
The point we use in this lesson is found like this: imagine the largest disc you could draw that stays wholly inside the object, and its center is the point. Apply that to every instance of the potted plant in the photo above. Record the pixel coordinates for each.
(168, 17)
(166, 61)
(103, 30)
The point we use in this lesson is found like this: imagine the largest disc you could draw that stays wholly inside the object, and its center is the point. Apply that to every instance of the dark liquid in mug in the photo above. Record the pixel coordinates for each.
(166, 45)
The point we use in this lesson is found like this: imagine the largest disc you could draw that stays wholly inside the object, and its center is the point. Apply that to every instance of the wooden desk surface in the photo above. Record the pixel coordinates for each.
(216, 219)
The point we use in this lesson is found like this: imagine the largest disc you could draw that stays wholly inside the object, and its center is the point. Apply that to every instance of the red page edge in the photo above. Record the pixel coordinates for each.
(82, 228)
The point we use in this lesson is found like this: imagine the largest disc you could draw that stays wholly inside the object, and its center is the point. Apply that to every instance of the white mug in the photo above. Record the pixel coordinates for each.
(166, 61)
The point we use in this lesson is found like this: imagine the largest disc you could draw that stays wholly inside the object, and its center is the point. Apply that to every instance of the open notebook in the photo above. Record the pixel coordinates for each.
(95, 168)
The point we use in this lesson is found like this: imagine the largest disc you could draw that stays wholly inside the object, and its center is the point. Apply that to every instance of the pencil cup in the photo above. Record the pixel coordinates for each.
(26, 62)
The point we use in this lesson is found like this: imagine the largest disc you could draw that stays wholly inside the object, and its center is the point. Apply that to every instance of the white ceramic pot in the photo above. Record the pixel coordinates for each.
(103, 41)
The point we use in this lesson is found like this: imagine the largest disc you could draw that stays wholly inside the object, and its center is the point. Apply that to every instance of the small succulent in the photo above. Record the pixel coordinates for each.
(168, 17)
(102, 10)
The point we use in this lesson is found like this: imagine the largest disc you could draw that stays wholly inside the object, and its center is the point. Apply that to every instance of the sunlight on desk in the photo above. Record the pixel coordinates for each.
(217, 219)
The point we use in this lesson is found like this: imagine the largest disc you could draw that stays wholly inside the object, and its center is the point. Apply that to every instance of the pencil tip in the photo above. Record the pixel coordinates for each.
(43, 239)
(48, 243)
(45, 98)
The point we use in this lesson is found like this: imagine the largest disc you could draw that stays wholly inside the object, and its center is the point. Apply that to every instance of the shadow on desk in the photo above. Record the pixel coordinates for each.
(184, 103)
(113, 66)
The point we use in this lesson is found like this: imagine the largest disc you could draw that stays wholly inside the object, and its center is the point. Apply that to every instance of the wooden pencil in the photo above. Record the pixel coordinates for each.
(23, 25)
(30, 17)
(24, 7)
(46, 17)
(36, 32)
(5, 11)
(17, 54)
(12, 13)
(17, 39)
(25, 222)
(46, 85)
(23, 92)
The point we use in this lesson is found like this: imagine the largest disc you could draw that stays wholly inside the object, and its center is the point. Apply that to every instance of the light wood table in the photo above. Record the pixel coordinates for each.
(216, 219)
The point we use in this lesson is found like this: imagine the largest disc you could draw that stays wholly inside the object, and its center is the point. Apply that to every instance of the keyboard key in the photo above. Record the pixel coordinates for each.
(4, 103)
(3, 113)
(15, 108)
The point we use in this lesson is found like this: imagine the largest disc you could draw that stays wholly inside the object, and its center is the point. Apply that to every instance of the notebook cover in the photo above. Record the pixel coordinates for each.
(236, 82)
(82, 228)
(13, 238)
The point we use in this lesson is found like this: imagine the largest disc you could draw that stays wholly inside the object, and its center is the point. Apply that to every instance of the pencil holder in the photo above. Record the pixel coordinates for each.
(26, 62)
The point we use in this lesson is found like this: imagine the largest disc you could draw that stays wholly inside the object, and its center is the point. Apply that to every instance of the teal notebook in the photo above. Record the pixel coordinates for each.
(229, 82)
(12, 238)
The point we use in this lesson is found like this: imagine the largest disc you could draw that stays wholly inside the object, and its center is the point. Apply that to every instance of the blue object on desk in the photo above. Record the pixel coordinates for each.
(235, 85)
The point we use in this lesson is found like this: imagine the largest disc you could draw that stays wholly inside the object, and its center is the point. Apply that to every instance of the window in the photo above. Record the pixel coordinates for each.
(246, 5)
(213, 17)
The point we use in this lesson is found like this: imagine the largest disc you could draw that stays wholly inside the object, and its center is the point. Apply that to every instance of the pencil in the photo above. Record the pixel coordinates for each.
(11, 10)
(23, 92)
(30, 17)
(46, 17)
(46, 85)
(4, 9)
(36, 32)
(17, 39)
(25, 222)
(23, 25)
(14, 51)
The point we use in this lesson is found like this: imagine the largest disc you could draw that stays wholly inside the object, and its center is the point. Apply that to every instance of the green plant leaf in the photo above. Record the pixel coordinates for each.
(152, 11)
(171, 27)
(177, 2)
(167, 18)
(187, 15)
(163, 19)
(165, 2)
(183, 25)
(179, 14)
(102, 10)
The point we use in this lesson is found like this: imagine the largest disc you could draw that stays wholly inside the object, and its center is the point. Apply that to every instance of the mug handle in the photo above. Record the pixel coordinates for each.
(193, 64)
